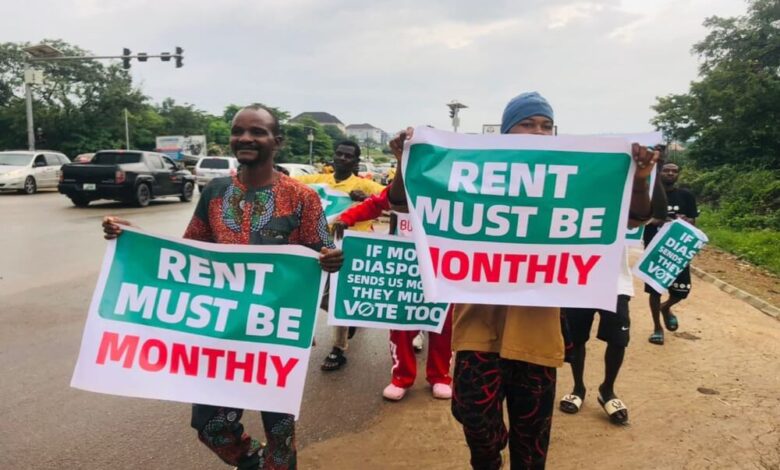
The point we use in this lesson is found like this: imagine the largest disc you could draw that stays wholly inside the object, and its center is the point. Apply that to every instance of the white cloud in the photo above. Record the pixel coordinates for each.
(458, 35)
(562, 16)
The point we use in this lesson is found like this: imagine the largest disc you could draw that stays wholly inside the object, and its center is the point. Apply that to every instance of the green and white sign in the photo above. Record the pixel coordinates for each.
(334, 202)
(671, 250)
(518, 219)
(379, 286)
(195, 322)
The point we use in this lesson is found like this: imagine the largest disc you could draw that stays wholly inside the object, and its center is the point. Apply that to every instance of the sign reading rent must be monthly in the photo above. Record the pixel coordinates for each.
(195, 322)
(518, 219)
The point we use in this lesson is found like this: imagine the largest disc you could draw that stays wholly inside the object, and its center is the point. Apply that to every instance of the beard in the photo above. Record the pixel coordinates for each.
(261, 156)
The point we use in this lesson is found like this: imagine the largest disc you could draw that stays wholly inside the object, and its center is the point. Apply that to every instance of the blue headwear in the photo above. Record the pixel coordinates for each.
(524, 106)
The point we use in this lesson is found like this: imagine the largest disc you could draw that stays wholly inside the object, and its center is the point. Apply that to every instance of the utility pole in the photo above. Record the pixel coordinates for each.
(127, 132)
(455, 107)
(310, 138)
(30, 125)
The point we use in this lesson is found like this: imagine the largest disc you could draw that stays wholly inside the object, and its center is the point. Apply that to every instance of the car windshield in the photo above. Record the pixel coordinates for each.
(115, 158)
(215, 163)
(15, 159)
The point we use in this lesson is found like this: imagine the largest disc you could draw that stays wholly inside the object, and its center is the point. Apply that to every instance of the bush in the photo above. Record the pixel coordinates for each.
(739, 199)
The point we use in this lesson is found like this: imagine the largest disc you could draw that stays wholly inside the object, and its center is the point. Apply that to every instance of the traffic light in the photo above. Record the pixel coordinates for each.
(126, 59)
(165, 56)
(452, 112)
(142, 57)
(179, 57)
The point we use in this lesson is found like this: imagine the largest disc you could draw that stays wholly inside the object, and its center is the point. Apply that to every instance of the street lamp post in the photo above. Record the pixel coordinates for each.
(35, 77)
(455, 106)
(310, 138)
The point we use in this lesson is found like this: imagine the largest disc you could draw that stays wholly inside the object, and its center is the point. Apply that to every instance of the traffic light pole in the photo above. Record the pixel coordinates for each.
(52, 55)
(142, 57)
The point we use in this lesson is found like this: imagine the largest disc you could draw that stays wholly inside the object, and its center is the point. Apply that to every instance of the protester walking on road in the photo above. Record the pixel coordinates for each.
(402, 348)
(344, 178)
(614, 329)
(681, 204)
(508, 352)
(259, 206)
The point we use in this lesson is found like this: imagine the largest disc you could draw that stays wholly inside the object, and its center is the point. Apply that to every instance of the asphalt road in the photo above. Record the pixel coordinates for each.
(49, 260)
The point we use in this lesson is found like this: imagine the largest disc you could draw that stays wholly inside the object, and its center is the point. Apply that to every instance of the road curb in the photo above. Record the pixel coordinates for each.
(751, 299)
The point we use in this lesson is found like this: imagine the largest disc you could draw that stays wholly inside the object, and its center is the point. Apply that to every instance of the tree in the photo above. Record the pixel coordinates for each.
(297, 144)
(335, 133)
(731, 112)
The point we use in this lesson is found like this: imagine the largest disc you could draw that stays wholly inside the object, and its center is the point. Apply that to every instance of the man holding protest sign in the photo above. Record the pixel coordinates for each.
(259, 206)
(511, 352)
(404, 371)
(681, 204)
(344, 178)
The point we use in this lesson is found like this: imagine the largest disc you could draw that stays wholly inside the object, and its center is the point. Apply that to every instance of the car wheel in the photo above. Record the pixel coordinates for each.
(80, 201)
(186, 191)
(30, 186)
(143, 195)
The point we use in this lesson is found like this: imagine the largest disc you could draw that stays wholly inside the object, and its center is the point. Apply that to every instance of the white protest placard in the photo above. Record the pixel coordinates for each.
(181, 320)
(518, 219)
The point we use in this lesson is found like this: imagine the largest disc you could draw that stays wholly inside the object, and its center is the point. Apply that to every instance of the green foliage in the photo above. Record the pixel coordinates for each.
(296, 147)
(741, 199)
(334, 133)
(731, 113)
(757, 246)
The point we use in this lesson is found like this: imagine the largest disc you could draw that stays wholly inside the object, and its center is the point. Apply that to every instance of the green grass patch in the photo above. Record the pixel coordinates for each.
(760, 247)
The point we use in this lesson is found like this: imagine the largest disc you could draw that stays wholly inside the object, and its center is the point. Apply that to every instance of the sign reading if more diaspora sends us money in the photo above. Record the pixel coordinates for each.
(671, 250)
(181, 320)
(519, 219)
(379, 286)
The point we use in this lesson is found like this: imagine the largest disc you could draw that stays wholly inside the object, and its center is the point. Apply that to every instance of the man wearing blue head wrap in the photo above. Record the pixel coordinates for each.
(507, 352)
(524, 108)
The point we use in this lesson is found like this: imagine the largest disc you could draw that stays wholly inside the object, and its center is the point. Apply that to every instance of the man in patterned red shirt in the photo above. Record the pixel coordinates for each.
(259, 206)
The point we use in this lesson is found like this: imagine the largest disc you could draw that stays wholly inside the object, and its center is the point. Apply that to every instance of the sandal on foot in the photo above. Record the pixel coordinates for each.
(334, 361)
(657, 338)
(570, 404)
(670, 319)
(613, 408)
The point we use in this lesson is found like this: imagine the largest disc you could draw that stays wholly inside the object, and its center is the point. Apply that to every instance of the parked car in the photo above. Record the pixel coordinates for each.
(27, 172)
(126, 175)
(83, 157)
(209, 168)
(299, 169)
(369, 171)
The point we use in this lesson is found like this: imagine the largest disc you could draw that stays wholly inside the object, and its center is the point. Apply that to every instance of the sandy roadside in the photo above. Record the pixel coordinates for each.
(707, 399)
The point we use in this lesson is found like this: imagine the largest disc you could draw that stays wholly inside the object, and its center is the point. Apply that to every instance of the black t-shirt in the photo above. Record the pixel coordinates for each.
(679, 201)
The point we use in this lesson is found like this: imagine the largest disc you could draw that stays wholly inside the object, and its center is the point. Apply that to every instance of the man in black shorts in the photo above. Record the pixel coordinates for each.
(681, 204)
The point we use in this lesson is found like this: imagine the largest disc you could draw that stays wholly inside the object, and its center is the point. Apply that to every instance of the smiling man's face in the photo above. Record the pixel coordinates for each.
(252, 139)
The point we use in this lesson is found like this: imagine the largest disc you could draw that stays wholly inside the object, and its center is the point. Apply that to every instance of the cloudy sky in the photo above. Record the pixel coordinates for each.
(601, 63)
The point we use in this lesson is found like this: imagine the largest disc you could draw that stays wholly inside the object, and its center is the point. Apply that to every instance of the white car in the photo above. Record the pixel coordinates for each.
(299, 169)
(27, 172)
(209, 168)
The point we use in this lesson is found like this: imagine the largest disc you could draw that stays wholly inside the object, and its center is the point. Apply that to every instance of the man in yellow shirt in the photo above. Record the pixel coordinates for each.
(343, 178)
